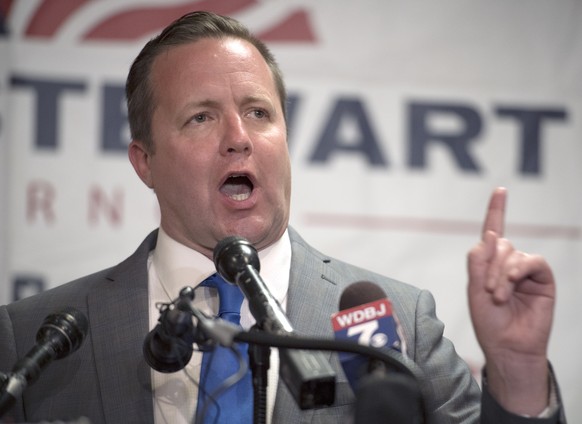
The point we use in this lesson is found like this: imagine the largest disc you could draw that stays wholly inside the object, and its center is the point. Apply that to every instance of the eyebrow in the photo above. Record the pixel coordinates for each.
(204, 103)
(216, 104)
(257, 99)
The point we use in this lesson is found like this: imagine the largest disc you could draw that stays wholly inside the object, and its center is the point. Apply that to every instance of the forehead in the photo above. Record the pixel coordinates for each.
(211, 60)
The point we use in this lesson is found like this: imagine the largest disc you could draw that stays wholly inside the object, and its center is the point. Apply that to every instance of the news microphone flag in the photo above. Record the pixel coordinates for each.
(370, 324)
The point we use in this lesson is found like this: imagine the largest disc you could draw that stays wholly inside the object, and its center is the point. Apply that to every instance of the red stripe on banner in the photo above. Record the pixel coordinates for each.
(136, 23)
(5, 6)
(50, 15)
(295, 27)
(437, 225)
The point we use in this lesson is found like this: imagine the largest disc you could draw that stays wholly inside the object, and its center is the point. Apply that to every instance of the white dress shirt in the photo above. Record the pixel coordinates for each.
(172, 266)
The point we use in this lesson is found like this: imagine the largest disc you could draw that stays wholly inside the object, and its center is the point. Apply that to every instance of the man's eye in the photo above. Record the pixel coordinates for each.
(259, 113)
(199, 118)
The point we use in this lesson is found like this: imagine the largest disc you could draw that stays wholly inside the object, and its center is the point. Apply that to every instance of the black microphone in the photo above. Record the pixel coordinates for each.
(168, 347)
(307, 374)
(382, 393)
(60, 334)
(237, 261)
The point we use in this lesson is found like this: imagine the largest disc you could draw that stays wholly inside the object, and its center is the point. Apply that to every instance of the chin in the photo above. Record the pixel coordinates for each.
(259, 235)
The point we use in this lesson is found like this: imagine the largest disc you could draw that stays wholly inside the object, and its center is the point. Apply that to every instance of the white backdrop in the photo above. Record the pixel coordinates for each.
(405, 115)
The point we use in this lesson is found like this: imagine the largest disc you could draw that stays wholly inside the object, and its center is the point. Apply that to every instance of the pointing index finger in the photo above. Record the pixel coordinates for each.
(495, 218)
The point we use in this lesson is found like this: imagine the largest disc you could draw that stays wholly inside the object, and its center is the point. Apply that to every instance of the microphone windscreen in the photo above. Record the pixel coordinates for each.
(360, 293)
(232, 255)
(65, 330)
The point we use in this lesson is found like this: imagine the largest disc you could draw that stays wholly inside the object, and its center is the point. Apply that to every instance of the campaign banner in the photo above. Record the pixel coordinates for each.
(403, 118)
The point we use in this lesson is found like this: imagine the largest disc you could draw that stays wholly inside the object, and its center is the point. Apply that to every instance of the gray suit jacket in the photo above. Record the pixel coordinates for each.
(108, 381)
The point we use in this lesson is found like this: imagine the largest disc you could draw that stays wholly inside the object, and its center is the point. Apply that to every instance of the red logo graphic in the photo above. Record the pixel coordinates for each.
(139, 21)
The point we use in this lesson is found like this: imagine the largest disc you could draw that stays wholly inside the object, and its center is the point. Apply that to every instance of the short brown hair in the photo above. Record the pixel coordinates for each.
(189, 28)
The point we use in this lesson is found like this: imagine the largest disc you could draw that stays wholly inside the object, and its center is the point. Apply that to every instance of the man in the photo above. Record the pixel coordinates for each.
(206, 106)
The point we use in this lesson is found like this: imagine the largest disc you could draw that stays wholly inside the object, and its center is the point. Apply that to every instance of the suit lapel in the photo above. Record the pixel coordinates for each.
(118, 311)
(307, 287)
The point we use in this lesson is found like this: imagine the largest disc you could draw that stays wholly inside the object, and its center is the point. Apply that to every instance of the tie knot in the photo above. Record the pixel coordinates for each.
(229, 295)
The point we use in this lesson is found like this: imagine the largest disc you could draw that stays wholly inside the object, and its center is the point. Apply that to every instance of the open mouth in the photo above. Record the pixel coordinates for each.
(237, 187)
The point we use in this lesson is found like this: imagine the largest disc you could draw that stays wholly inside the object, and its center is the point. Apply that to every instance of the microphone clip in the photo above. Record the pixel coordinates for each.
(175, 320)
(169, 346)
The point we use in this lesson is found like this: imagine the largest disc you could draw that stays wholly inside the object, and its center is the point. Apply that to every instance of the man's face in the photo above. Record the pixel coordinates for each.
(220, 165)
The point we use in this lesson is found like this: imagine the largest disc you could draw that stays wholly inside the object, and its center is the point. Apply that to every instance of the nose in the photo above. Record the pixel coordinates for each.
(235, 138)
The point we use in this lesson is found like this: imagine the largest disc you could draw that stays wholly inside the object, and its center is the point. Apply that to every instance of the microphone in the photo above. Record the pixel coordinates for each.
(60, 334)
(168, 347)
(307, 374)
(366, 317)
(237, 261)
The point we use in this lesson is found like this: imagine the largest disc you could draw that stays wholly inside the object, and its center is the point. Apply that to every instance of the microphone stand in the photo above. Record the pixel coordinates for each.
(6, 399)
(259, 362)
(224, 333)
(404, 380)
(307, 374)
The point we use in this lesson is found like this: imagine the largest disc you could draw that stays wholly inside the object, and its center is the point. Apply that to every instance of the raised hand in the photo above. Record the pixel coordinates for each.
(511, 300)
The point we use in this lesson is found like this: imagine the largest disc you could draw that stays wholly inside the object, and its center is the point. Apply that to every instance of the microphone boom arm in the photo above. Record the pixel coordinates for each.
(225, 334)
(388, 356)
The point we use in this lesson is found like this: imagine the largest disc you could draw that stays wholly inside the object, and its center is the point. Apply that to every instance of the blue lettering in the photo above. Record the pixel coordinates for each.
(530, 121)
(348, 111)
(48, 94)
(114, 135)
(26, 285)
(421, 134)
(291, 109)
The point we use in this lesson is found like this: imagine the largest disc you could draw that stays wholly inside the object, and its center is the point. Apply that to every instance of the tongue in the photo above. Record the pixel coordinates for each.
(238, 188)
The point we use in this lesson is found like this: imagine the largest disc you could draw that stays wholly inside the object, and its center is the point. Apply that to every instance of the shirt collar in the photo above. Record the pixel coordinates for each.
(178, 266)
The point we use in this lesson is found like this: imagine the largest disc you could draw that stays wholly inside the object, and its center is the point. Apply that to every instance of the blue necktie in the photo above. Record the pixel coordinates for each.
(235, 405)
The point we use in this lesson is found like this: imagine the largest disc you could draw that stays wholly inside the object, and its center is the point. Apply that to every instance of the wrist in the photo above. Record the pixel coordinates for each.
(520, 385)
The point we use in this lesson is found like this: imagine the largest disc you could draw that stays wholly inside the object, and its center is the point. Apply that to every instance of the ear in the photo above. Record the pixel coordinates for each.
(140, 159)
